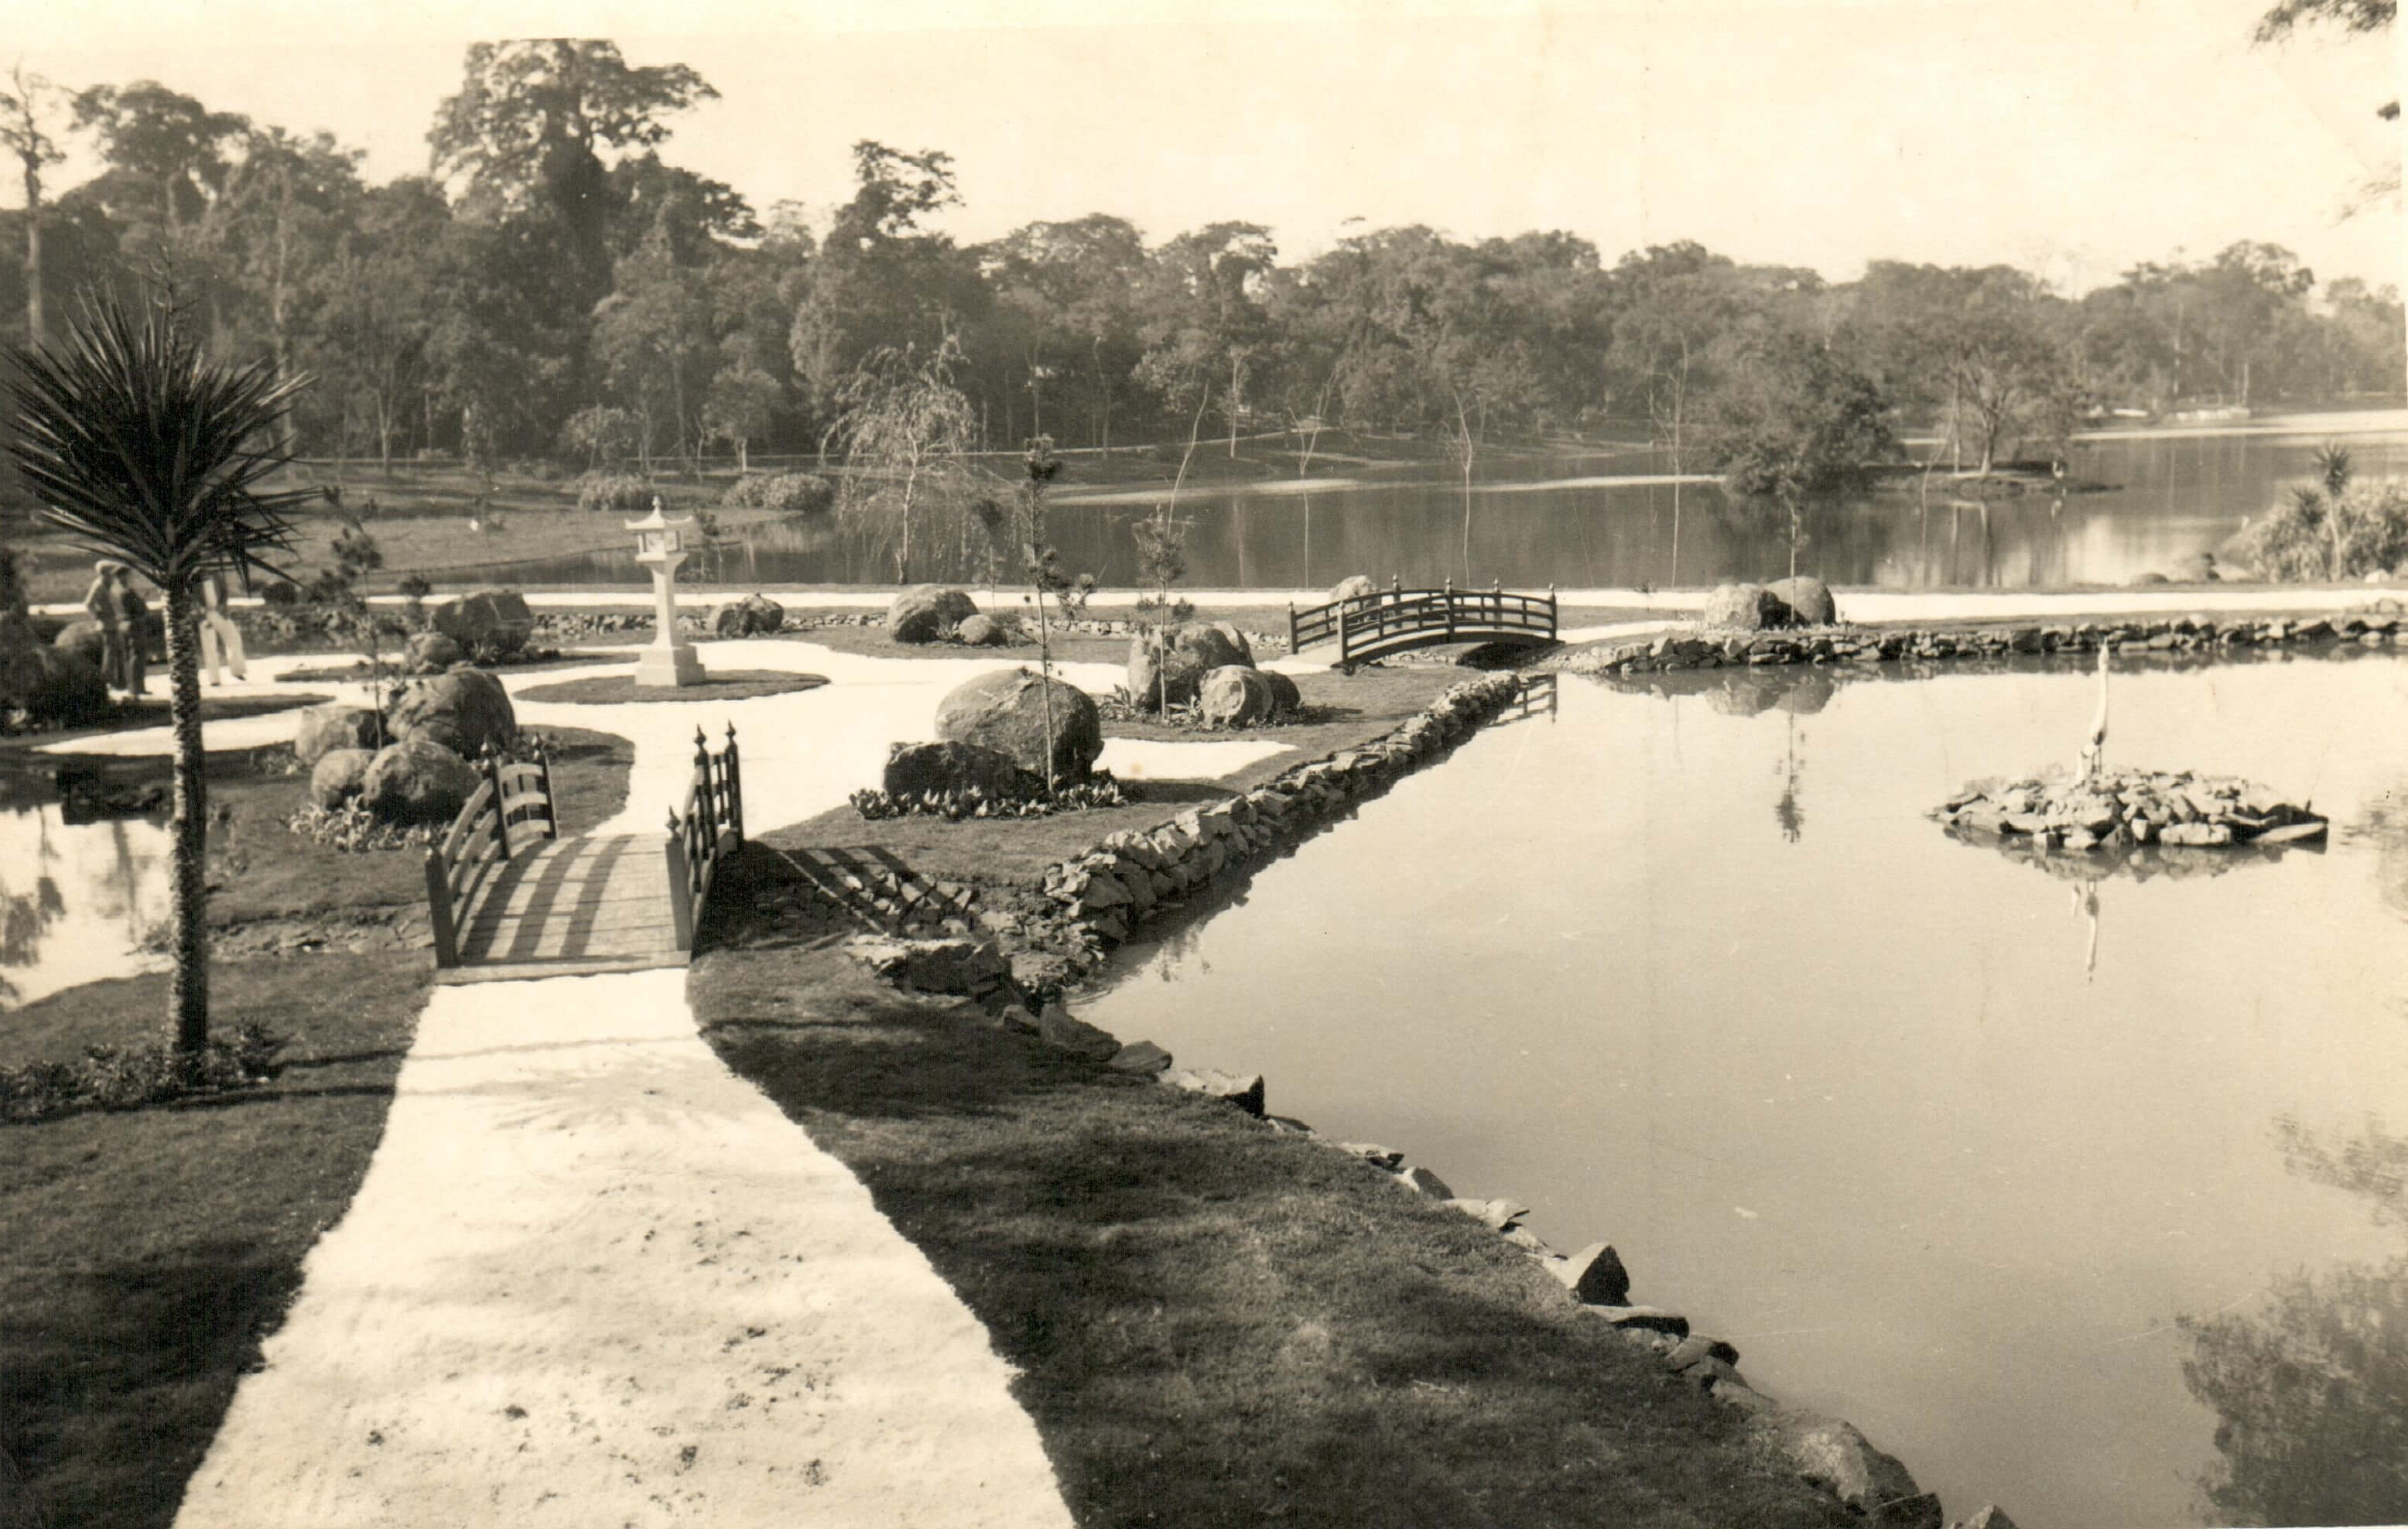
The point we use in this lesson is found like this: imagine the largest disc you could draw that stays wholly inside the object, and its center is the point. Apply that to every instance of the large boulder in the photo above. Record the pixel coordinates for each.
(1234, 695)
(913, 768)
(340, 775)
(927, 613)
(1160, 674)
(984, 631)
(1216, 645)
(1285, 695)
(488, 624)
(51, 685)
(415, 781)
(83, 640)
(1351, 587)
(430, 652)
(756, 615)
(1744, 607)
(1809, 600)
(1006, 712)
(326, 728)
(462, 709)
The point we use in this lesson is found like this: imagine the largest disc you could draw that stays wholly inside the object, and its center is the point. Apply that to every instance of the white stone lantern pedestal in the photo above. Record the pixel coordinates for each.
(660, 544)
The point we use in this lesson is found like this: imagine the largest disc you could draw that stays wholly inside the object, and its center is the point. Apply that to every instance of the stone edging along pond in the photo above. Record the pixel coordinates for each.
(1698, 649)
(1101, 897)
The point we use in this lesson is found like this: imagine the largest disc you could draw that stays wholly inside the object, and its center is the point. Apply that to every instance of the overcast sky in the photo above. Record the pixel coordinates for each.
(2074, 137)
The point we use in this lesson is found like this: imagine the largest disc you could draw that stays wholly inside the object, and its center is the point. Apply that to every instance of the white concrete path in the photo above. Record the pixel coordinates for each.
(593, 1278)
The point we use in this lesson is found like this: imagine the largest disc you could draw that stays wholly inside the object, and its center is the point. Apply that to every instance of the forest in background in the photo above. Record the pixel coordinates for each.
(556, 289)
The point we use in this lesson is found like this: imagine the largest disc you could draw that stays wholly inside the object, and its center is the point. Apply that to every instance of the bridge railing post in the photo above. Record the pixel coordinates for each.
(490, 759)
(1291, 625)
(550, 808)
(732, 773)
(1448, 595)
(1341, 633)
(438, 908)
(681, 885)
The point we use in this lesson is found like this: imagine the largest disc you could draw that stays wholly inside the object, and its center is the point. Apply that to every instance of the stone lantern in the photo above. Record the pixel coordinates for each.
(660, 545)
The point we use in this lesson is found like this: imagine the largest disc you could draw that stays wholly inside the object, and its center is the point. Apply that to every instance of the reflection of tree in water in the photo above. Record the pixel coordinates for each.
(25, 916)
(2311, 1391)
(1787, 809)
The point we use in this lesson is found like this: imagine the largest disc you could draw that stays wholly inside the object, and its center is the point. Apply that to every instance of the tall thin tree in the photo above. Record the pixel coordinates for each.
(147, 452)
(22, 109)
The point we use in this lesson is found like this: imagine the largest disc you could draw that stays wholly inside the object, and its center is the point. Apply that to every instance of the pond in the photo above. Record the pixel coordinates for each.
(77, 900)
(1975, 1157)
(1612, 521)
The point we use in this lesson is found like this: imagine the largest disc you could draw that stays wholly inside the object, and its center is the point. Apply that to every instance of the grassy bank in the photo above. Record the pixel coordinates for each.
(1217, 1324)
(149, 1251)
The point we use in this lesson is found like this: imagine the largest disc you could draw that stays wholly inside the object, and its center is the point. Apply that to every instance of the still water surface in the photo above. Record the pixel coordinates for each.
(76, 900)
(1611, 522)
(1694, 975)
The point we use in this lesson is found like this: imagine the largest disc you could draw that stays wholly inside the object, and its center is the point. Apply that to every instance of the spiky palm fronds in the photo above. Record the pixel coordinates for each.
(142, 449)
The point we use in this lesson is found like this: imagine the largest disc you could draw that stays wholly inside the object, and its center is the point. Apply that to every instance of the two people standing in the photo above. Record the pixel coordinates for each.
(113, 606)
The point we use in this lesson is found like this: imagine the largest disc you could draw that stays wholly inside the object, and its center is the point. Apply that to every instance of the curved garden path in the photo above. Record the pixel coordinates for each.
(591, 1278)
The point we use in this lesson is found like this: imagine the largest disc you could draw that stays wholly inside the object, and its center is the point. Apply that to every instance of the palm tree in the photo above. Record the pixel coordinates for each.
(142, 449)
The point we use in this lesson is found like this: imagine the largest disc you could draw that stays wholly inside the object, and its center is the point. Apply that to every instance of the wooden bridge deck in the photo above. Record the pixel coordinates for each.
(568, 907)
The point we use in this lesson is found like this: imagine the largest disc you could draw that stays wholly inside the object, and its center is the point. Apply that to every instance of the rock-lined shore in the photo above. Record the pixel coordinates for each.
(1709, 648)
(1101, 897)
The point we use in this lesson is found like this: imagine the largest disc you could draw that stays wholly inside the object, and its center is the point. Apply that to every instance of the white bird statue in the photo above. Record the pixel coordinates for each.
(2094, 751)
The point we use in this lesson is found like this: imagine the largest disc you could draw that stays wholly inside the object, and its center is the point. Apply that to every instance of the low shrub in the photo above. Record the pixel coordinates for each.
(108, 1078)
(352, 829)
(620, 494)
(2314, 536)
(974, 802)
(782, 493)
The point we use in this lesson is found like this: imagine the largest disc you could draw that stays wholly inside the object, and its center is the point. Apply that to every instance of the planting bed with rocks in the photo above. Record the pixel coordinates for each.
(1709, 650)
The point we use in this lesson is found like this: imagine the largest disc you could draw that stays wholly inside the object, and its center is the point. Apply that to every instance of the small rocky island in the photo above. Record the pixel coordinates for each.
(2122, 809)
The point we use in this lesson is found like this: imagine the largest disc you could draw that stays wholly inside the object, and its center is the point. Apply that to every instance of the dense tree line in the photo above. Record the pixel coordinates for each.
(555, 288)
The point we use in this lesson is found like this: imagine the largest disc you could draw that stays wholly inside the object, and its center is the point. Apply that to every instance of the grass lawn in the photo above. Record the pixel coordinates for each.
(723, 685)
(1218, 1324)
(1015, 851)
(149, 1251)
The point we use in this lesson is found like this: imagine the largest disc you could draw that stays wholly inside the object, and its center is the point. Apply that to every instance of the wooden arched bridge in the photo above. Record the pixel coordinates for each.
(507, 897)
(1398, 620)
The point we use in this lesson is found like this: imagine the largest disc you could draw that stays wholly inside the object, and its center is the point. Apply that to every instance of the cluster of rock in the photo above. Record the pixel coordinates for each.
(2177, 634)
(753, 616)
(994, 734)
(483, 626)
(2124, 808)
(1208, 665)
(1798, 601)
(931, 613)
(47, 684)
(410, 763)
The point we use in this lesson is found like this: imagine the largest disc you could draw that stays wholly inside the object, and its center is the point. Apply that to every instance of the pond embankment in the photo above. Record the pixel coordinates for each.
(1091, 902)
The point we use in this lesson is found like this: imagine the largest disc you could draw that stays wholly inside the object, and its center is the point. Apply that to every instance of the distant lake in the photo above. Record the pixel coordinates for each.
(1610, 519)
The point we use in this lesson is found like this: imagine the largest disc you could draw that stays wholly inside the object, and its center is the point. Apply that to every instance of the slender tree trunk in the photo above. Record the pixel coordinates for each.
(189, 1005)
(34, 247)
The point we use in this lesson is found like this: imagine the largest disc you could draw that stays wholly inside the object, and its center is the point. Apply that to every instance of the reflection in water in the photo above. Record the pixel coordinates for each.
(2173, 498)
(76, 899)
(2311, 1391)
(2386, 823)
(1787, 810)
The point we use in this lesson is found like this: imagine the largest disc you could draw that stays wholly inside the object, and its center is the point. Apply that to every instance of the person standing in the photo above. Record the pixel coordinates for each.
(219, 634)
(100, 603)
(131, 611)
